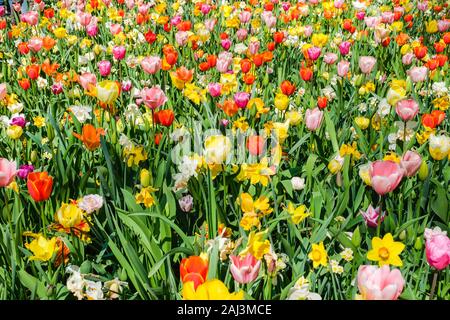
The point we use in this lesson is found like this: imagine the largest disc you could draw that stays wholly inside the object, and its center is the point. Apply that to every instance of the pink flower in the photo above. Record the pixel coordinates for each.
(387, 17)
(84, 18)
(31, 17)
(226, 44)
(151, 65)
(314, 53)
(35, 44)
(344, 47)
(376, 283)
(87, 80)
(313, 118)
(176, 20)
(8, 171)
(253, 47)
(330, 58)
(366, 64)
(437, 248)
(210, 24)
(115, 28)
(245, 16)
(342, 68)
(2, 91)
(92, 30)
(130, 4)
(119, 52)
(443, 25)
(371, 216)
(241, 99)
(126, 85)
(339, 3)
(153, 97)
(371, 22)
(385, 176)
(2, 11)
(205, 8)
(307, 31)
(104, 67)
(57, 88)
(181, 37)
(418, 74)
(422, 6)
(407, 109)
(269, 19)
(360, 15)
(411, 162)
(244, 270)
(224, 61)
(408, 58)
(214, 89)
(241, 34)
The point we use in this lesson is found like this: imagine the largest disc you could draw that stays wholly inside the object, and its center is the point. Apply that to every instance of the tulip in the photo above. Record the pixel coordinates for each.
(225, 43)
(115, 28)
(314, 53)
(31, 17)
(126, 85)
(255, 145)
(119, 52)
(3, 91)
(385, 176)
(330, 58)
(92, 30)
(306, 74)
(33, 71)
(313, 118)
(84, 18)
(366, 64)
(90, 136)
(35, 44)
(57, 88)
(107, 91)
(194, 269)
(437, 248)
(8, 170)
(372, 216)
(418, 74)
(87, 80)
(342, 68)
(24, 170)
(217, 149)
(214, 89)
(153, 97)
(245, 16)
(104, 68)
(241, 99)
(151, 65)
(407, 58)
(18, 121)
(281, 101)
(186, 203)
(253, 47)
(246, 269)
(379, 283)
(344, 48)
(407, 109)
(411, 162)
(165, 117)
(40, 185)
(181, 37)
(439, 146)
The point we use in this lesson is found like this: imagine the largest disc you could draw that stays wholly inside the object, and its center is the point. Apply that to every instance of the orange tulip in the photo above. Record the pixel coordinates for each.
(48, 43)
(229, 107)
(287, 87)
(194, 269)
(90, 136)
(40, 185)
(32, 71)
(165, 117)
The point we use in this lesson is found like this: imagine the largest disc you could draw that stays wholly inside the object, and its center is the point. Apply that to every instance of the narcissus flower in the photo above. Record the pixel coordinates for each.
(210, 290)
(256, 246)
(318, 255)
(298, 214)
(386, 251)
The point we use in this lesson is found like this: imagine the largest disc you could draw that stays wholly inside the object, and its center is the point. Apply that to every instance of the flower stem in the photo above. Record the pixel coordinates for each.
(433, 284)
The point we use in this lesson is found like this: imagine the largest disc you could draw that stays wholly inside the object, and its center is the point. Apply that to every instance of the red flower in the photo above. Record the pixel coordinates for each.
(246, 65)
(306, 74)
(287, 87)
(40, 185)
(255, 145)
(150, 37)
(24, 83)
(193, 269)
(165, 117)
(322, 102)
(278, 37)
(33, 71)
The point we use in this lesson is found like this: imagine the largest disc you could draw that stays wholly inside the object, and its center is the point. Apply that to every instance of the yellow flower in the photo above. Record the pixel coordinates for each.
(228, 82)
(298, 214)
(194, 93)
(256, 246)
(145, 177)
(69, 215)
(60, 32)
(41, 247)
(351, 150)
(107, 91)
(392, 156)
(386, 251)
(294, 117)
(439, 146)
(14, 132)
(145, 197)
(281, 101)
(397, 26)
(318, 255)
(364, 174)
(240, 124)
(217, 148)
(396, 92)
(431, 26)
(260, 205)
(334, 166)
(319, 39)
(281, 130)
(424, 135)
(210, 290)
(135, 155)
(442, 103)
(256, 173)
(362, 122)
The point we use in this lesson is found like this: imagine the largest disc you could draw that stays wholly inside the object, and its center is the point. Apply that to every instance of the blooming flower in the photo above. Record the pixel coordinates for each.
(318, 255)
(386, 251)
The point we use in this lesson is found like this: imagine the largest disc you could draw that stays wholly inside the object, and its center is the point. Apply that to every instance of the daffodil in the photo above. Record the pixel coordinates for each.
(209, 290)
(145, 197)
(386, 251)
(298, 214)
(318, 255)
(256, 245)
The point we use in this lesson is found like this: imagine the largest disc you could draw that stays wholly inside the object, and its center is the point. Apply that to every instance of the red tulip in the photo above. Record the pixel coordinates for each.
(165, 117)
(40, 185)
(194, 269)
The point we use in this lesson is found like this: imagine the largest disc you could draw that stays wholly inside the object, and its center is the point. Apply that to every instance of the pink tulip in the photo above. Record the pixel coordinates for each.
(338, 4)
(57, 88)
(181, 37)
(411, 162)
(130, 4)
(385, 176)
(407, 58)
(269, 19)
(153, 97)
(366, 64)
(3, 91)
(422, 6)
(371, 22)
(286, 5)
(342, 68)
(2, 11)
(387, 17)
(314, 53)
(344, 48)
(253, 47)
(35, 44)
(241, 34)
(104, 67)
(226, 44)
(87, 80)
(443, 25)
(31, 17)
(244, 270)
(205, 9)
(224, 61)
(313, 118)
(214, 89)
(126, 85)
(330, 58)
(115, 28)
(151, 65)
(380, 283)
(143, 8)
(360, 15)
(371, 216)
(245, 16)
(119, 52)
(84, 18)
(307, 31)
(210, 24)
(418, 74)
(437, 248)
(176, 20)
(407, 109)
(8, 171)
(92, 30)
(241, 99)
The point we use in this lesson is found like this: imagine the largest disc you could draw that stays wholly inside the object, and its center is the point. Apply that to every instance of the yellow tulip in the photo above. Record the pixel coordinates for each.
(210, 290)
(41, 247)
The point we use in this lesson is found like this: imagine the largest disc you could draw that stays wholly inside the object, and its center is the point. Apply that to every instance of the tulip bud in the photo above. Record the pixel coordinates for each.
(33, 156)
(123, 275)
(50, 290)
(50, 132)
(423, 171)
(418, 243)
(358, 80)
(145, 177)
(402, 235)
(408, 84)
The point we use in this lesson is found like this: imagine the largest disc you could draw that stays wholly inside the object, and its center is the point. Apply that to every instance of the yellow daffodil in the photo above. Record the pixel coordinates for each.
(145, 197)
(298, 214)
(256, 245)
(318, 255)
(386, 251)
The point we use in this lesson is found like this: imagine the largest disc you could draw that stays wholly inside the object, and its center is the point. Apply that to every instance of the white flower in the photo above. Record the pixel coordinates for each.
(75, 282)
(93, 290)
(114, 288)
(4, 121)
(16, 107)
(430, 233)
(300, 291)
(178, 135)
(384, 108)
(41, 82)
(240, 48)
(188, 167)
(335, 267)
(82, 113)
(298, 183)
(439, 88)
(91, 203)
(347, 254)
(125, 142)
